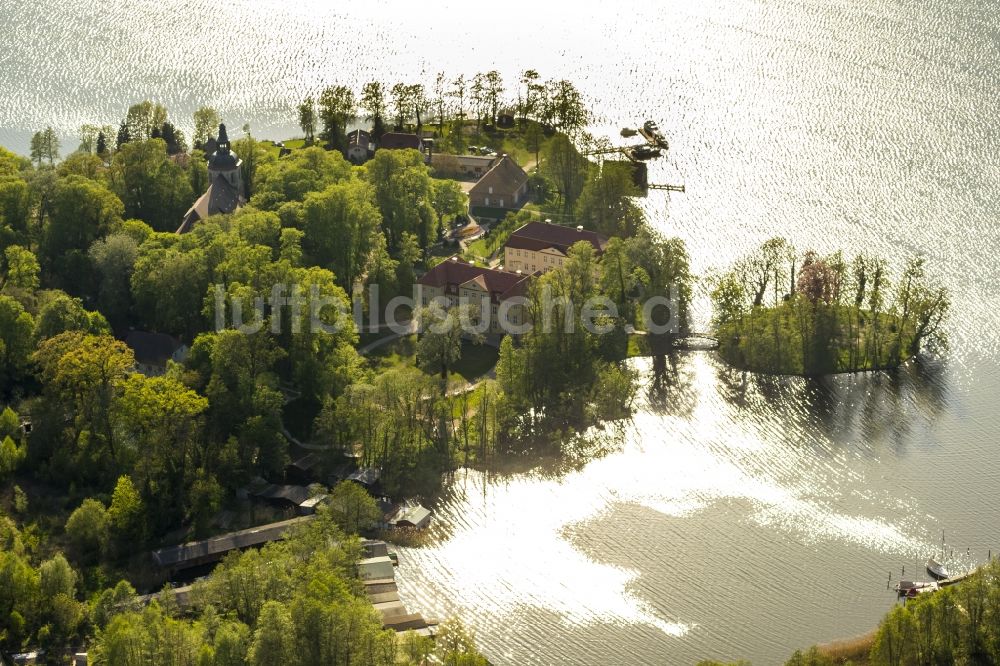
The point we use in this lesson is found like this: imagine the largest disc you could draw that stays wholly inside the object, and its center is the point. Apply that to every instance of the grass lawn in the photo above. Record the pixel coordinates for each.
(488, 245)
(438, 253)
(479, 249)
(476, 361)
(395, 354)
(272, 148)
(365, 337)
(510, 141)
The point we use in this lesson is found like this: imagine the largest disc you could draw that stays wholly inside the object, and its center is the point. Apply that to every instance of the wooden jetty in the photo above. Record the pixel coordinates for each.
(956, 579)
(696, 342)
(910, 589)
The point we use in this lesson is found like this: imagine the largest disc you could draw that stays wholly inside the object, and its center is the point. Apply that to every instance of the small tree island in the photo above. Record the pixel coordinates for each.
(780, 312)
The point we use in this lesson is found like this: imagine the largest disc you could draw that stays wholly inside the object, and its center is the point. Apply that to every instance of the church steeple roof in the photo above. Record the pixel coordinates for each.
(223, 158)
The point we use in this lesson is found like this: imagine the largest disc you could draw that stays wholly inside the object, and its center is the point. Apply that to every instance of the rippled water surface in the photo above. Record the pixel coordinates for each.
(736, 517)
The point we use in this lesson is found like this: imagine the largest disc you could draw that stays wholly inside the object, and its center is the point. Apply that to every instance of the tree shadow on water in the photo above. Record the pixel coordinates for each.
(863, 410)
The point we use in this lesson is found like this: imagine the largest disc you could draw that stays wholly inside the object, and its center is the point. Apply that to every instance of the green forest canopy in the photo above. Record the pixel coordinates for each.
(780, 312)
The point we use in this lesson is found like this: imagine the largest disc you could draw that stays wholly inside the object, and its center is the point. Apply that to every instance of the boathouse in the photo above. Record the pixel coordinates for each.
(415, 516)
(196, 553)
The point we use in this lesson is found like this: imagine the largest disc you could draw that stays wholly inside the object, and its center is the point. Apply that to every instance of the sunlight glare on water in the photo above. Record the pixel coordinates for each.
(526, 540)
(738, 517)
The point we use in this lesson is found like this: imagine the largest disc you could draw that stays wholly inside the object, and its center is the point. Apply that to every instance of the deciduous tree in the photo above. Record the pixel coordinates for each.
(336, 107)
(87, 529)
(307, 118)
(16, 328)
(352, 508)
(45, 146)
(374, 105)
(152, 187)
(206, 121)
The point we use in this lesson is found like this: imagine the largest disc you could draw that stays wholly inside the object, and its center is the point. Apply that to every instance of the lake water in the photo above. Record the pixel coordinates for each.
(735, 517)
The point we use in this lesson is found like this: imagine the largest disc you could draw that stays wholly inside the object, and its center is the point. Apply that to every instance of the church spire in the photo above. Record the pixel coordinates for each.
(223, 141)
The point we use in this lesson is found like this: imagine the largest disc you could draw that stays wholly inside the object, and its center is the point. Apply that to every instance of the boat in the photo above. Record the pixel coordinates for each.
(937, 569)
(644, 153)
(912, 588)
(628, 132)
(654, 138)
(915, 592)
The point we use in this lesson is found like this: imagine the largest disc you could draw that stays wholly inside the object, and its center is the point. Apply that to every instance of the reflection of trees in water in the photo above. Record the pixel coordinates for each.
(670, 385)
(501, 471)
(559, 455)
(863, 410)
(860, 409)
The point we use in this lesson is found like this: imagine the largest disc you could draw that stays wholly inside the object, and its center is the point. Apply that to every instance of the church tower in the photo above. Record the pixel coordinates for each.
(225, 185)
(224, 162)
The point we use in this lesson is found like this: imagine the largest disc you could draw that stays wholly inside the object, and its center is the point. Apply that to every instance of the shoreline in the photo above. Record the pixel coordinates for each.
(839, 373)
(855, 649)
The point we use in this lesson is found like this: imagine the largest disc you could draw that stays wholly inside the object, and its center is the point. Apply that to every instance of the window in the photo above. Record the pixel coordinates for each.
(501, 203)
(491, 189)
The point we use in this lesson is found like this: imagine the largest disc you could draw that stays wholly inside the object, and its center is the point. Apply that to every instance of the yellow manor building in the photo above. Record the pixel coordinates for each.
(454, 279)
(538, 247)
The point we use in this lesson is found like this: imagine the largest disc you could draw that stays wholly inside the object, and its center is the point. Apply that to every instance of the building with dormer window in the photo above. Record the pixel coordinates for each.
(540, 247)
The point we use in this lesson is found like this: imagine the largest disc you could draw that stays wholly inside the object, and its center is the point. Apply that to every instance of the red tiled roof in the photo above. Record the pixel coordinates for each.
(505, 177)
(452, 273)
(539, 236)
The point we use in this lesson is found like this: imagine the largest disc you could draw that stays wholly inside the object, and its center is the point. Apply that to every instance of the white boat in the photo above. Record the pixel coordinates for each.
(937, 569)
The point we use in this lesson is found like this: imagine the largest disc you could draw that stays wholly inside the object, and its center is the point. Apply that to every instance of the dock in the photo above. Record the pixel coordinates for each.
(697, 342)
(378, 576)
(956, 579)
(376, 570)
